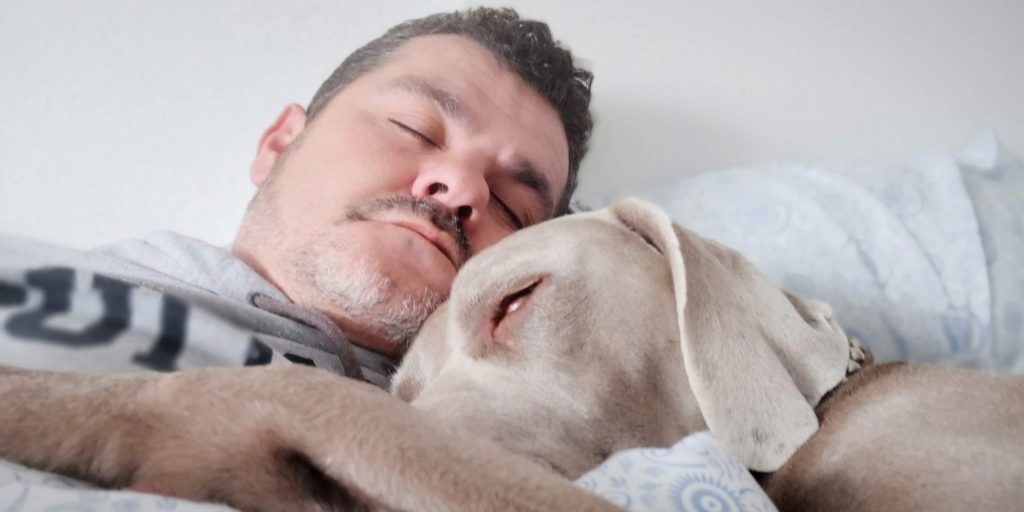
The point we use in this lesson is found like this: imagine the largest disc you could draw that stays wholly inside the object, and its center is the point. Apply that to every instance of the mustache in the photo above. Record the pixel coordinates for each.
(425, 208)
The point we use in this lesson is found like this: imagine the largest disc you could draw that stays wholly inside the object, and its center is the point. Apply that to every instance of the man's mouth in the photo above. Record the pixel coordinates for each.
(440, 240)
(425, 217)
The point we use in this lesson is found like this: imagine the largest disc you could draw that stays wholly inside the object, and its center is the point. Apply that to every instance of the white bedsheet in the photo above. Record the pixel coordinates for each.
(27, 490)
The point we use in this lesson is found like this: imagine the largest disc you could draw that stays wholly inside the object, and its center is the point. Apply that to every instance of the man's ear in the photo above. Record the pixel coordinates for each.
(288, 125)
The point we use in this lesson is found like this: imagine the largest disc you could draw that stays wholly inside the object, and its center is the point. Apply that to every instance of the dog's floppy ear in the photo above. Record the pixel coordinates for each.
(757, 359)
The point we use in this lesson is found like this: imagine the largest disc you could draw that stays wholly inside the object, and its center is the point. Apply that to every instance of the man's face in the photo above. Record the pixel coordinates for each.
(367, 212)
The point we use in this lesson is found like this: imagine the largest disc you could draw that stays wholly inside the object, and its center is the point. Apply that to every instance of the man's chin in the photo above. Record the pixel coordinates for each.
(379, 300)
(371, 337)
(391, 326)
(406, 316)
(390, 348)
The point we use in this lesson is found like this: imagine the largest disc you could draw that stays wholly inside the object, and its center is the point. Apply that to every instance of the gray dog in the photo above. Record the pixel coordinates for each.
(562, 344)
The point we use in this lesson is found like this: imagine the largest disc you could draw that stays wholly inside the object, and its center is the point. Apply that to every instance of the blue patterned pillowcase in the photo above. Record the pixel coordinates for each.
(697, 474)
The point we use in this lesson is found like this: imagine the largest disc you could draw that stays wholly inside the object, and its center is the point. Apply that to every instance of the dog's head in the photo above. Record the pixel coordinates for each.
(614, 329)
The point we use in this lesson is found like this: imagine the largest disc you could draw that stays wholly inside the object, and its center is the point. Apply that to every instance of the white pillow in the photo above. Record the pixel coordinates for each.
(900, 253)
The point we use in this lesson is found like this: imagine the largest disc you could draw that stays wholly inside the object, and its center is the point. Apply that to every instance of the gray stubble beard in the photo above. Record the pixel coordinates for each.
(360, 290)
(365, 294)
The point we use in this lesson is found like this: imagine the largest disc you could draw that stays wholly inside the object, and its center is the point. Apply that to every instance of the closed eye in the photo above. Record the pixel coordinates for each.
(513, 219)
(415, 133)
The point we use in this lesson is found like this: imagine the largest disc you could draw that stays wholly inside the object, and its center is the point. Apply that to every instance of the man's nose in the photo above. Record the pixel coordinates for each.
(460, 186)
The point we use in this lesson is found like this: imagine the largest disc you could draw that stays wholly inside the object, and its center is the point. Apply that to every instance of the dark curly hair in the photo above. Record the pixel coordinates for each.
(524, 46)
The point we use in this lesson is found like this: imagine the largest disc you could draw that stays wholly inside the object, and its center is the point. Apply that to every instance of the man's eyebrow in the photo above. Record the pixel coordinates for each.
(527, 175)
(448, 102)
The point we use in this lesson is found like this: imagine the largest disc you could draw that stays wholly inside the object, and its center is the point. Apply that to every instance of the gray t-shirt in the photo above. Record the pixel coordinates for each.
(164, 302)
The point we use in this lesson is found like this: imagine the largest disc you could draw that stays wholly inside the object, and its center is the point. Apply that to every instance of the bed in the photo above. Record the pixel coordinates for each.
(922, 261)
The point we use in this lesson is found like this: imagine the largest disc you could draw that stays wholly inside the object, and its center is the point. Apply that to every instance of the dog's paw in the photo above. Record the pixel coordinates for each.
(860, 356)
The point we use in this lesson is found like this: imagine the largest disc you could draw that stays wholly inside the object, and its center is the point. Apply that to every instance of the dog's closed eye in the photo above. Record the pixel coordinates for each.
(507, 306)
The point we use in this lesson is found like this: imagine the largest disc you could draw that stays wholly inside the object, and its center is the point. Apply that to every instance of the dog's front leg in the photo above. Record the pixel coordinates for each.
(78, 425)
(283, 437)
(223, 435)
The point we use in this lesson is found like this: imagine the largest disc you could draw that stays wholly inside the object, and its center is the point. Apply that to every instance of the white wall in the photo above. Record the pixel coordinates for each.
(118, 117)
(689, 85)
